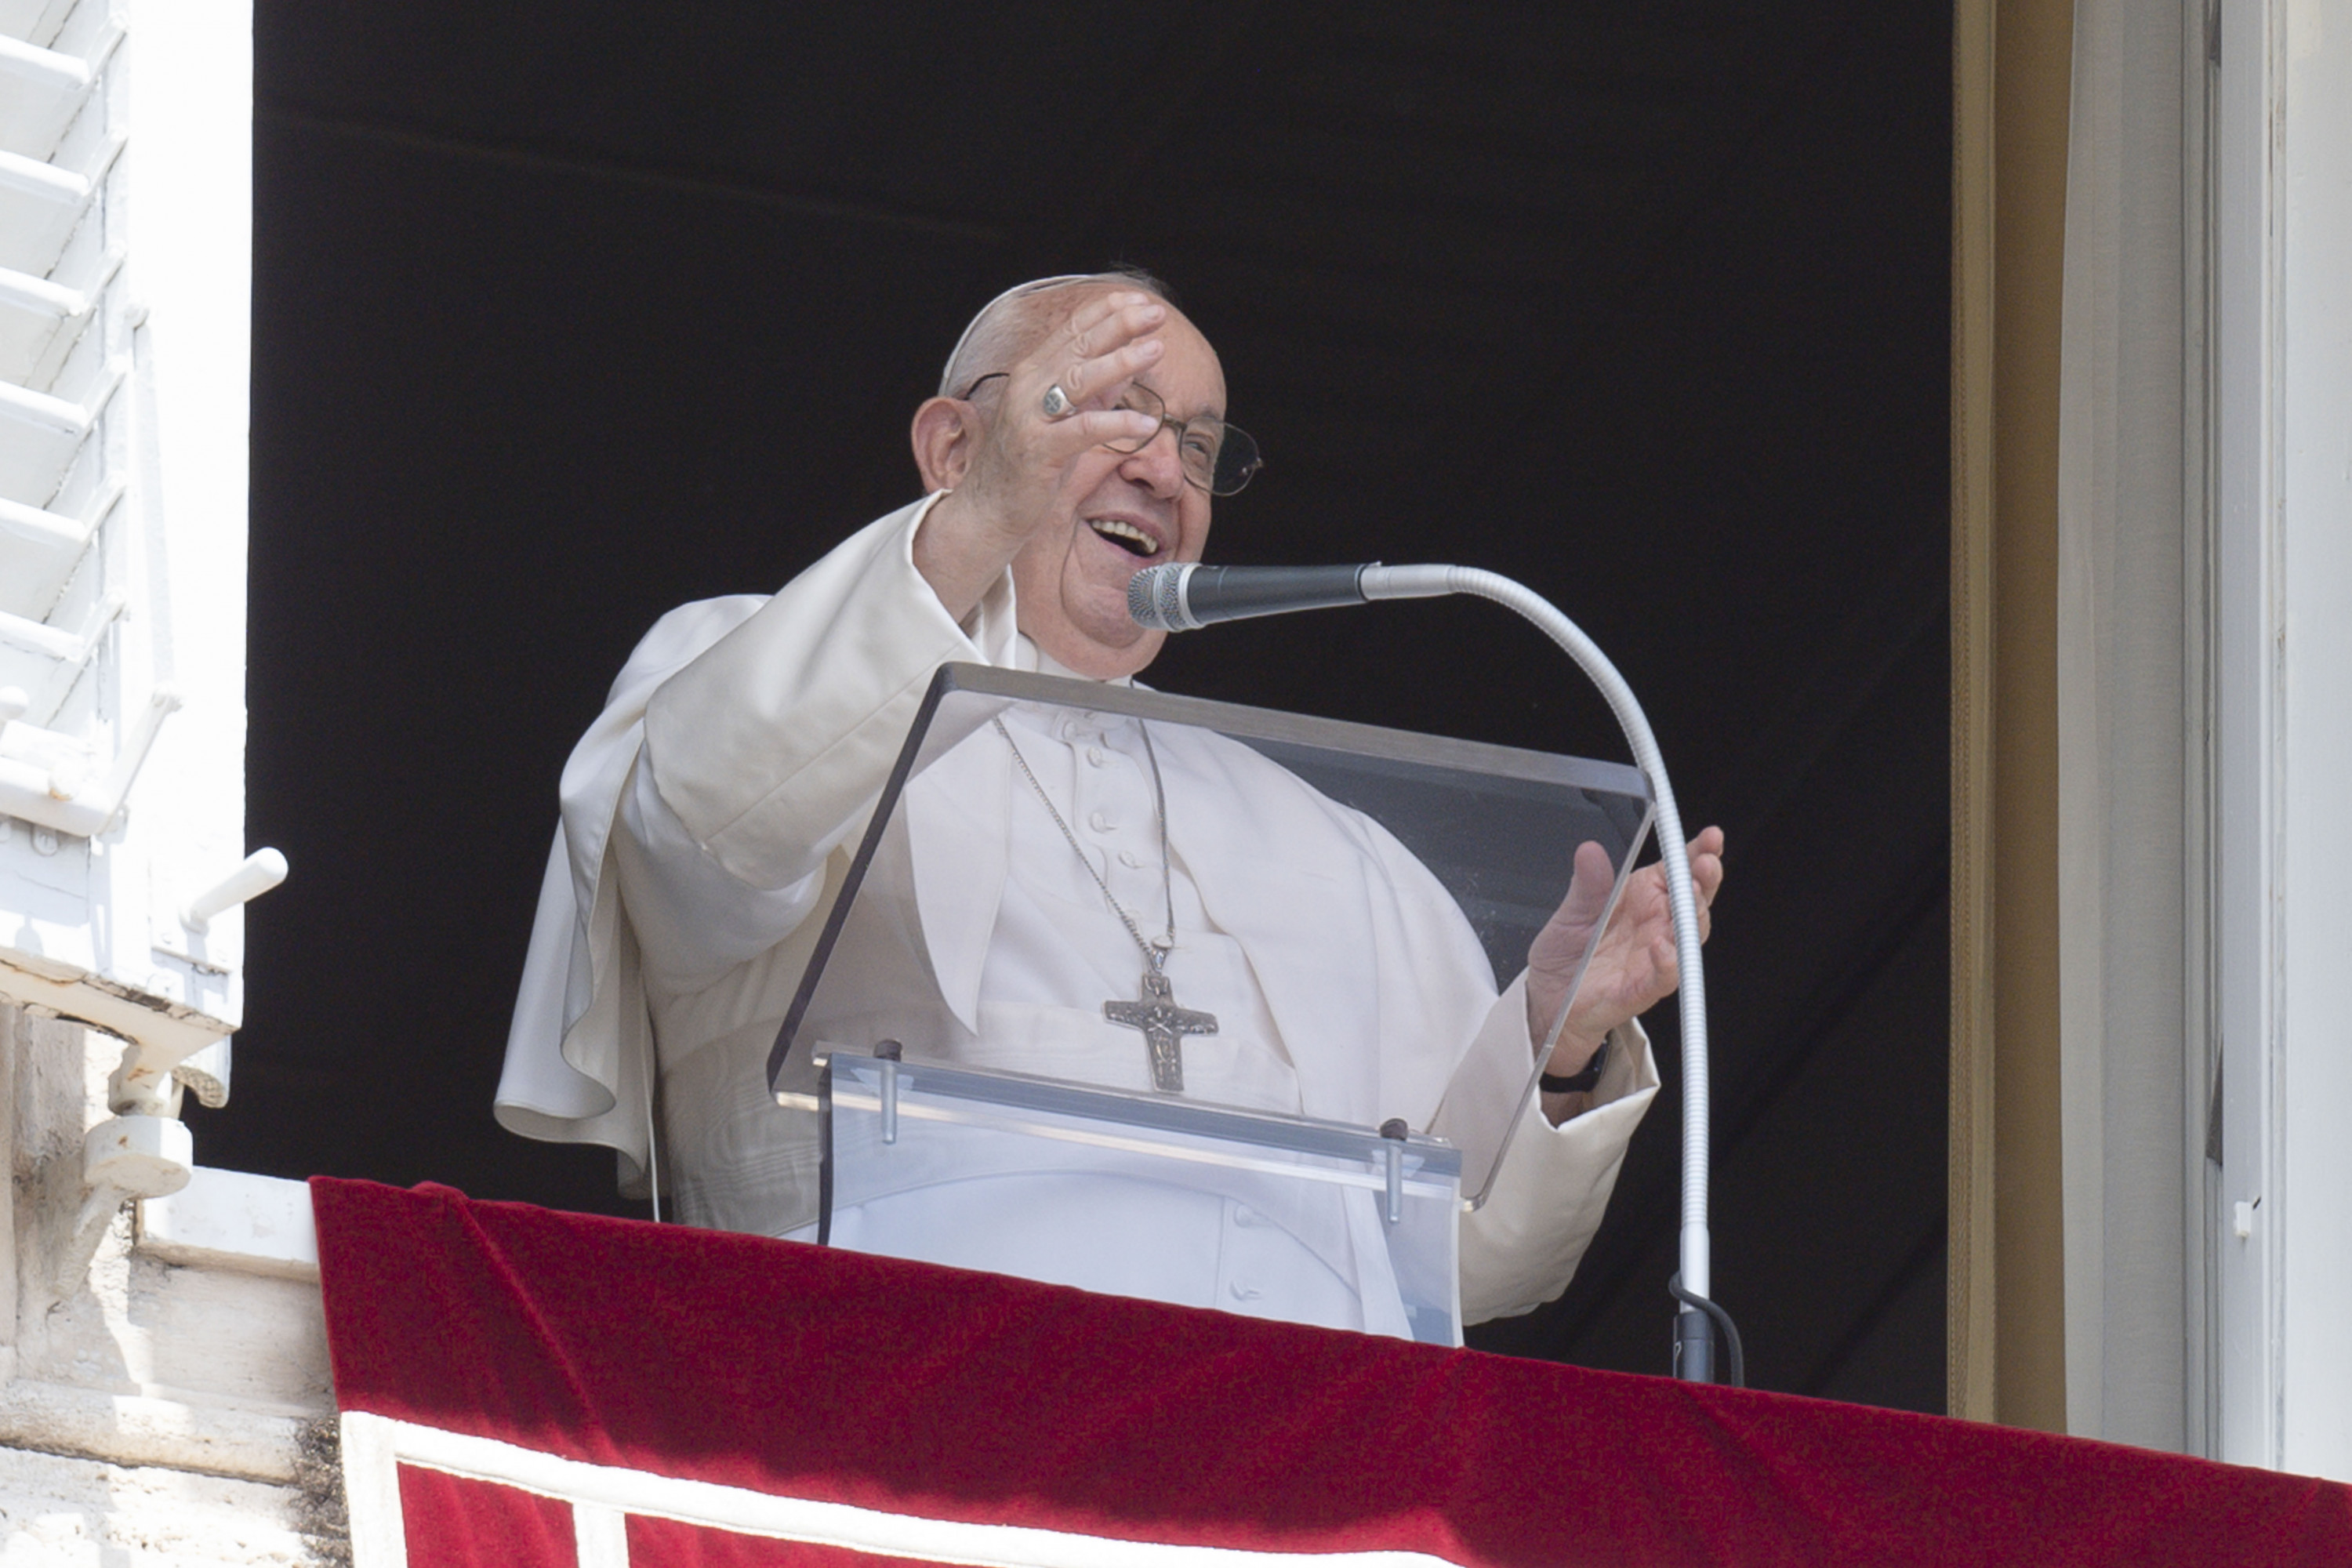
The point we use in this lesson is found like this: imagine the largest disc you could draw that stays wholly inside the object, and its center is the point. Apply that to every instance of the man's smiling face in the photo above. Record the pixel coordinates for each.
(1133, 510)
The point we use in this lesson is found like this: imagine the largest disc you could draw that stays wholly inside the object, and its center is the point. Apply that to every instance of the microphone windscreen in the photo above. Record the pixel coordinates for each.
(1155, 598)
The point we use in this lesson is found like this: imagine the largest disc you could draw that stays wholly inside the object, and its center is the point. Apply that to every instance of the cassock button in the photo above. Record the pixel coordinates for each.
(1131, 859)
(1100, 822)
(1094, 756)
(1245, 1292)
(1244, 1217)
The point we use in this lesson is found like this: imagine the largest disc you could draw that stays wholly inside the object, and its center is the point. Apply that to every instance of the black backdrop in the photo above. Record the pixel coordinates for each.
(566, 314)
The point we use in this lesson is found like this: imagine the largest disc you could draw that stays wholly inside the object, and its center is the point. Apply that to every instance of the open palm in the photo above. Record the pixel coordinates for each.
(1635, 966)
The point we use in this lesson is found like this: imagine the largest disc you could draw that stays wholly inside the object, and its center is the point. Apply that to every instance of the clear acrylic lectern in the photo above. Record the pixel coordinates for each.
(1194, 1002)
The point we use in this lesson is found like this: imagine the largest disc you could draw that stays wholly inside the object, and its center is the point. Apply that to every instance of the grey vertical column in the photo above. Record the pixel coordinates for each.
(2125, 516)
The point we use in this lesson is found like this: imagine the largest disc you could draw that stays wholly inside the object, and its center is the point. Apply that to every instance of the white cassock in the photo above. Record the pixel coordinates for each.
(709, 819)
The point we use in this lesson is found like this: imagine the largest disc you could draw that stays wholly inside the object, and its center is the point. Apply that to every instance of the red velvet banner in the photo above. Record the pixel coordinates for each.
(533, 1387)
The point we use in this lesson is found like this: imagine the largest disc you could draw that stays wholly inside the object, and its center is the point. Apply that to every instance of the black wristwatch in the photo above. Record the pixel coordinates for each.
(1578, 1083)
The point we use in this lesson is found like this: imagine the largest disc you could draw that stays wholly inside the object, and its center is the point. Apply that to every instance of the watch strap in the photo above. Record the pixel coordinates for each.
(1582, 1082)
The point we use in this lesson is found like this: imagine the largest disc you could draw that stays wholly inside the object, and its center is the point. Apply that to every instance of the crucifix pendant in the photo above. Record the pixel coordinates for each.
(1164, 1025)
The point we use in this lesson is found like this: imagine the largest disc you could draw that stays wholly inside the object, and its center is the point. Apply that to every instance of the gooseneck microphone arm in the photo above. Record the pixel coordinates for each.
(1186, 597)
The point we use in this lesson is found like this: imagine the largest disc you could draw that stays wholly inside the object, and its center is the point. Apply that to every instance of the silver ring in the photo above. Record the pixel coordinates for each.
(1058, 402)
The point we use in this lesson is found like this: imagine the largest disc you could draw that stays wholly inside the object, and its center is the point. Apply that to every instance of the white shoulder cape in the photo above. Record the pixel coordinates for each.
(580, 1053)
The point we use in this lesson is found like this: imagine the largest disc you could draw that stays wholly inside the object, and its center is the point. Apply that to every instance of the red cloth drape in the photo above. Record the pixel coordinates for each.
(803, 1371)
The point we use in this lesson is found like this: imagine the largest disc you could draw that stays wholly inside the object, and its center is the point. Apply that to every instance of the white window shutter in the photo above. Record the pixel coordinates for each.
(125, 276)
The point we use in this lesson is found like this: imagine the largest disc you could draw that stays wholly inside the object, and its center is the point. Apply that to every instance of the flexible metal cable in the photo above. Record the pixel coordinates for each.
(1673, 855)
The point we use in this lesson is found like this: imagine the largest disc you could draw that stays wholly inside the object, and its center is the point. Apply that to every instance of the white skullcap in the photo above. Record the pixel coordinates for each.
(1039, 285)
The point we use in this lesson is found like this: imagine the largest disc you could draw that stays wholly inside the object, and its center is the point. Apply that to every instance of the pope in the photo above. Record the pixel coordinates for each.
(709, 817)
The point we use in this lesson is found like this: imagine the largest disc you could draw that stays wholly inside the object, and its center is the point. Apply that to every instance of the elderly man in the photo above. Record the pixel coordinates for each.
(709, 815)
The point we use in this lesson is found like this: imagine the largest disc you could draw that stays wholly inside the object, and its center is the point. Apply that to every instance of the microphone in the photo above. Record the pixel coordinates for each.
(1185, 598)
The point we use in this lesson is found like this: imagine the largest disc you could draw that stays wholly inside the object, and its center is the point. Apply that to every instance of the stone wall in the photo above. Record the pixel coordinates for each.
(164, 1393)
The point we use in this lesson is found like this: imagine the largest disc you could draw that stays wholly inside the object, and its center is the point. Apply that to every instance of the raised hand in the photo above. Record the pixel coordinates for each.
(1008, 461)
(1633, 968)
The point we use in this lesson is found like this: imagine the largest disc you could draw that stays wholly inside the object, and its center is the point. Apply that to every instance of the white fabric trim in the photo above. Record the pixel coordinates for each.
(374, 1447)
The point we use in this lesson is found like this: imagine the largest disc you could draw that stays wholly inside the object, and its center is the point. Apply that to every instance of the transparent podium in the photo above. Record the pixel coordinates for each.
(1194, 1002)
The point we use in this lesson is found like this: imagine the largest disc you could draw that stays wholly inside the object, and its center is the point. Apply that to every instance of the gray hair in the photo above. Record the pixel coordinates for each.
(1009, 324)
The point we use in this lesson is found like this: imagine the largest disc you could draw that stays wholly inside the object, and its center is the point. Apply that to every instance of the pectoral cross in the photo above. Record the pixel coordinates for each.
(1164, 1025)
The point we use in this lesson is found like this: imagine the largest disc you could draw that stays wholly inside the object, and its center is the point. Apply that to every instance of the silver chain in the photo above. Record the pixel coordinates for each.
(1154, 952)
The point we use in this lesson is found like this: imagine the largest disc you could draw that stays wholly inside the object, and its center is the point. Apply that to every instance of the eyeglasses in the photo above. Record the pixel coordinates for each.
(1216, 457)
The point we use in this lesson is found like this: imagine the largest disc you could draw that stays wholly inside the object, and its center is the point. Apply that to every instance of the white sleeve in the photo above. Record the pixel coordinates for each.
(743, 739)
(766, 753)
(787, 727)
(1520, 1248)
(693, 920)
